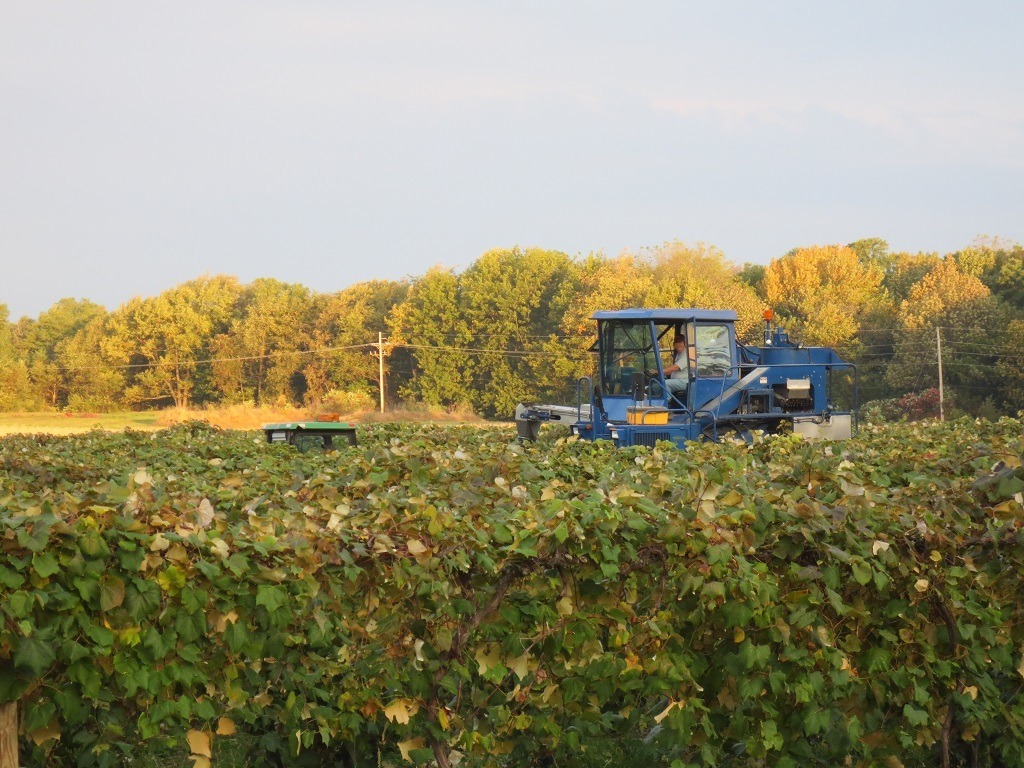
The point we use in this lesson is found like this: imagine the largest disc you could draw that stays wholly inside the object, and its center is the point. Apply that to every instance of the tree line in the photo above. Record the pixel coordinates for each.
(515, 326)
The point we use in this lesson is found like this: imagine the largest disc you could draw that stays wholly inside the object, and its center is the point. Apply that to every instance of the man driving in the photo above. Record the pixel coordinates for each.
(678, 374)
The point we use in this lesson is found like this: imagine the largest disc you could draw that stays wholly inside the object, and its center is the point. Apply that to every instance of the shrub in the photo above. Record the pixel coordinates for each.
(344, 401)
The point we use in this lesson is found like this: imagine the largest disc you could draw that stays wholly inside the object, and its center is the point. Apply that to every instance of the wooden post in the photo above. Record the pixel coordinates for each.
(938, 348)
(9, 735)
(380, 363)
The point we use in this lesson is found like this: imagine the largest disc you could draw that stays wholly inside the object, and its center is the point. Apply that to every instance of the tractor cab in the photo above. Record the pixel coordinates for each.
(637, 349)
(657, 367)
(311, 435)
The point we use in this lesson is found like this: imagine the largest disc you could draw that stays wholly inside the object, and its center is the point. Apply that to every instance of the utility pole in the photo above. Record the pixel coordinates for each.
(380, 367)
(9, 735)
(938, 349)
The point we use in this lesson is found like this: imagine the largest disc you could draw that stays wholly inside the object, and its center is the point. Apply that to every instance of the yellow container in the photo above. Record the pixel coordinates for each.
(647, 415)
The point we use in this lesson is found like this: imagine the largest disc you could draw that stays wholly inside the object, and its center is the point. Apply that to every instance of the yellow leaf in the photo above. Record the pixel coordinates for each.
(200, 761)
(726, 698)
(738, 635)
(49, 731)
(408, 746)
(416, 547)
(220, 548)
(879, 546)
(204, 514)
(731, 499)
(400, 710)
(177, 553)
(1020, 669)
(225, 727)
(921, 585)
(199, 743)
(972, 691)
(221, 620)
(159, 543)
(564, 606)
(783, 628)
(823, 636)
(851, 489)
(520, 665)
(488, 657)
(141, 477)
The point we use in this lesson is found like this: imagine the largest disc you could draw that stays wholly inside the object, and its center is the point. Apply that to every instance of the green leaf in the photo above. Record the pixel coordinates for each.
(862, 572)
(142, 599)
(34, 654)
(12, 684)
(561, 533)
(38, 714)
(1009, 486)
(45, 564)
(10, 579)
(501, 534)
(102, 636)
(92, 545)
(155, 644)
(111, 592)
(88, 587)
(914, 715)
(273, 598)
(20, 604)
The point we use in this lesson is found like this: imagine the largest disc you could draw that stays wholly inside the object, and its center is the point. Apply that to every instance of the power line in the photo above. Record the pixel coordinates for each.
(503, 352)
(247, 358)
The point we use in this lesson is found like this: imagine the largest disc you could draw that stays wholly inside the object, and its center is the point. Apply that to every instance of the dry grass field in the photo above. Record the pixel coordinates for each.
(242, 417)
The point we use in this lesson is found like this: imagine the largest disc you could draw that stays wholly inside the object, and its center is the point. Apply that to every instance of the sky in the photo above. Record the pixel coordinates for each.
(329, 143)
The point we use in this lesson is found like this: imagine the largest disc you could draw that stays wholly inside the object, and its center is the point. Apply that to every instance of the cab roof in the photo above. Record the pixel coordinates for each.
(312, 426)
(667, 315)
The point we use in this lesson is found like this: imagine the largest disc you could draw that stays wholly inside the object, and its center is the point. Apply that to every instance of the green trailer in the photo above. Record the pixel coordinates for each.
(311, 435)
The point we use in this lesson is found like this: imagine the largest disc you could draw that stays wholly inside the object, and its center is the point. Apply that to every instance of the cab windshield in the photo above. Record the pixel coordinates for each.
(627, 348)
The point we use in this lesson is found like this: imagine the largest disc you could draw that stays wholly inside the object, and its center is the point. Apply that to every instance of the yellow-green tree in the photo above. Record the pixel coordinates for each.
(489, 337)
(163, 338)
(616, 282)
(95, 377)
(1010, 366)
(429, 325)
(907, 270)
(822, 291)
(347, 322)
(944, 288)
(960, 306)
(15, 384)
(602, 283)
(702, 277)
(259, 354)
(41, 340)
(513, 301)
